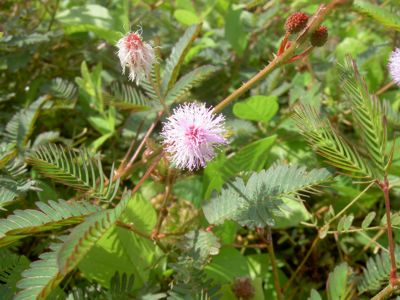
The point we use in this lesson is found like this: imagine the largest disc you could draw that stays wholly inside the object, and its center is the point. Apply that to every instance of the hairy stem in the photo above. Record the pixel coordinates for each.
(393, 268)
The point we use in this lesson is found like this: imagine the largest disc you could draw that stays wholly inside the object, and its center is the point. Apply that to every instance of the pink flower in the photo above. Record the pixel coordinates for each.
(136, 55)
(191, 133)
(394, 65)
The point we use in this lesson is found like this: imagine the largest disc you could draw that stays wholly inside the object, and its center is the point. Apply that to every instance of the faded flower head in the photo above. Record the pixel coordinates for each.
(243, 288)
(136, 55)
(191, 133)
(394, 65)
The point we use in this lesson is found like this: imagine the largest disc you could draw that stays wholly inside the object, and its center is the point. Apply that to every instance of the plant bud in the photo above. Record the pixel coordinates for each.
(296, 22)
(319, 37)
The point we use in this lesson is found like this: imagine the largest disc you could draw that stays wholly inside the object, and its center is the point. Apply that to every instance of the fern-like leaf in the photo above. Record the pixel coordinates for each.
(377, 272)
(11, 267)
(63, 89)
(368, 115)
(20, 127)
(42, 276)
(257, 203)
(323, 138)
(186, 82)
(177, 56)
(49, 216)
(84, 236)
(76, 169)
(381, 15)
(124, 96)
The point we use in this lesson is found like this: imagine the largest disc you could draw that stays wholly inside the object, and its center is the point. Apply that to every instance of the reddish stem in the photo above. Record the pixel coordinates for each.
(282, 47)
(301, 55)
(393, 269)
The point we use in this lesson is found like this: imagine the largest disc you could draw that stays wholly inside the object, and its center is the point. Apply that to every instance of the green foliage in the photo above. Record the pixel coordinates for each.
(337, 285)
(50, 216)
(76, 169)
(11, 266)
(84, 236)
(175, 60)
(367, 113)
(259, 201)
(324, 139)
(124, 96)
(42, 276)
(376, 272)
(382, 15)
(63, 89)
(257, 108)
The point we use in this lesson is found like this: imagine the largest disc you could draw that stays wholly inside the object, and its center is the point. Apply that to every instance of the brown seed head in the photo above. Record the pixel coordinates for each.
(296, 22)
(319, 37)
(243, 288)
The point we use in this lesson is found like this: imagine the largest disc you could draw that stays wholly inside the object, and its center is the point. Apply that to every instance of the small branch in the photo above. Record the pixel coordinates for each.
(387, 291)
(384, 88)
(163, 212)
(393, 269)
(270, 247)
(148, 172)
(132, 228)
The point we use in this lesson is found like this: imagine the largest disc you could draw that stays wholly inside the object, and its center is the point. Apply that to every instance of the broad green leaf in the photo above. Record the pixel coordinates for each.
(186, 17)
(314, 295)
(234, 29)
(91, 17)
(257, 108)
(296, 213)
(222, 270)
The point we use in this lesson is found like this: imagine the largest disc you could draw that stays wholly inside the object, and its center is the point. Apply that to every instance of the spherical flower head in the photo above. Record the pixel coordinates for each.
(296, 22)
(136, 55)
(191, 134)
(319, 37)
(394, 65)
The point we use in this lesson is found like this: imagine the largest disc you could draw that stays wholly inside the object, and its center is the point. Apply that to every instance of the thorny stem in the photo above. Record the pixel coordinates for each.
(393, 270)
(126, 169)
(284, 57)
(270, 247)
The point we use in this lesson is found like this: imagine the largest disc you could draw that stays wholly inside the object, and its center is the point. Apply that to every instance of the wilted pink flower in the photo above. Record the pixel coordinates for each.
(191, 133)
(394, 65)
(136, 55)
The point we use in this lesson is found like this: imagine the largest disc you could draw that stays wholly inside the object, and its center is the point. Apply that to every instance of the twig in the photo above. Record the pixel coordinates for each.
(386, 292)
(148, 172)
(280, 59)
(384, 88)
(132, 228)
(270, 247)
(393, 269)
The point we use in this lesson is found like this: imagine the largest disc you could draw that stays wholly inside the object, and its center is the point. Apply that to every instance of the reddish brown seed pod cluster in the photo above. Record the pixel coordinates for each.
(296, 22)
(319, 37)
(243, 288)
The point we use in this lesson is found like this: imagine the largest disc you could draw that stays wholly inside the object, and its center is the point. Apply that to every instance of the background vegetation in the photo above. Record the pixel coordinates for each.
(71, 126)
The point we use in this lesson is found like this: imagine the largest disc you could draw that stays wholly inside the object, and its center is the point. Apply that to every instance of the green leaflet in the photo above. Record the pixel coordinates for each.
(50, 216)
(84, 236)
(75, 169)
(186, 82)
(379, 14)
(377, 271)
(124, 96)
(259, 201)
(177, 56)
(368, 115)
(328, 143)
(42, 276)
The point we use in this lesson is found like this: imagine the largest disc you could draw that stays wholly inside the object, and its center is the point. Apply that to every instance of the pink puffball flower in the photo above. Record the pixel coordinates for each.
(394, 65)
(136, 55)
(191, 133)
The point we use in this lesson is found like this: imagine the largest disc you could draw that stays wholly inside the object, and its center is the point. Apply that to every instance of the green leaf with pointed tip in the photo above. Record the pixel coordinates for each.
(177, 56)
(378, 13)
(337, 285)
(257, 108)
